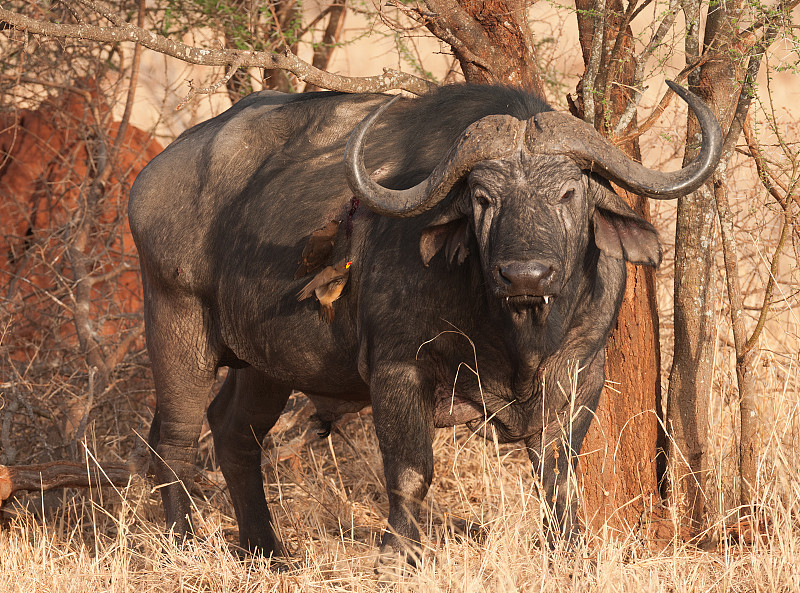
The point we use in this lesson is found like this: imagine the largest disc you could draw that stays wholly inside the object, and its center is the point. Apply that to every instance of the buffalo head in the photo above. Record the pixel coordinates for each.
(535, 192)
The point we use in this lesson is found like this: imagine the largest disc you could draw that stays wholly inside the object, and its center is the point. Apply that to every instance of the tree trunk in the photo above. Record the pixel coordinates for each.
(324, 50)
(619, 455)
(690, 381)
(490, 38)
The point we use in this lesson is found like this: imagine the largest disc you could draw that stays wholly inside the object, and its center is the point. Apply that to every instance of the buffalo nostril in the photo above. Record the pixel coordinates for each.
(504, 275)
(548, 276)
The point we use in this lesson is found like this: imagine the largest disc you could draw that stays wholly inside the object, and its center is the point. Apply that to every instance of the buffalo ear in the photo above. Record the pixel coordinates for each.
(621, 233)
(445, 232)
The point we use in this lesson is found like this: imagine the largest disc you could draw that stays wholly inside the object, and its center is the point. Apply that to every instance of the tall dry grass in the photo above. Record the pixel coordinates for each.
(329, 506)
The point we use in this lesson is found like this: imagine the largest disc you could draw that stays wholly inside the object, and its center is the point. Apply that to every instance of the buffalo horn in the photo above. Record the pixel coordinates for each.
(492, 137)
(557, 133)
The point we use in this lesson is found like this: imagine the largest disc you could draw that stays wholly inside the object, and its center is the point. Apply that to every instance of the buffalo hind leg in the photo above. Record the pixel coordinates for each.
(403, 415)
(245, 409)
(184, 368)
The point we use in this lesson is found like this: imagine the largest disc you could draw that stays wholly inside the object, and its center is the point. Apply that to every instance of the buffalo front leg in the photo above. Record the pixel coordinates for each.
(245, 409)
(184, 369)
(554, 454)
(403, 414)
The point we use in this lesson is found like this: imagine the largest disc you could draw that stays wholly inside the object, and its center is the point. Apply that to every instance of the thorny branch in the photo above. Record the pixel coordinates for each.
(79, 261)
(744, 346)
(789, 223)
(662, 104)
(193, 91)
(124, 31)
(593, 67)
(768, 180)
(756, 50)
(641, 62)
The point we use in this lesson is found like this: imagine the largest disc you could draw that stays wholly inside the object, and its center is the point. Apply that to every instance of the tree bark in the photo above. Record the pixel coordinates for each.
(690, 380)
(619, 455)
(490, 38)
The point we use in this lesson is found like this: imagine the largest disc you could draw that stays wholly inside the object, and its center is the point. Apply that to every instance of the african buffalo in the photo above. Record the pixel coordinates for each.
(531, 240)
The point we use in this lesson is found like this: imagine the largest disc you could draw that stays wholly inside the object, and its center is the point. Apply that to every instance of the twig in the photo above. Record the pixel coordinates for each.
(640, 8)
(783, 7)
(615, 58)
(773, 271)
(56, 85)
(662, 104)
(193, 92)
(390, 79)
(641, 62)
(768, 180)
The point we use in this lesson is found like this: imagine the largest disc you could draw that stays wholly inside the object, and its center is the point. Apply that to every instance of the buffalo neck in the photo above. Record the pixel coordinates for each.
(551, 354)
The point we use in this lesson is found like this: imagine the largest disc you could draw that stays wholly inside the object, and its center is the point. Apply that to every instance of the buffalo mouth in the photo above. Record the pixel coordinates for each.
(525, 283)
(455, 410)
(524, 307)
(528, 300)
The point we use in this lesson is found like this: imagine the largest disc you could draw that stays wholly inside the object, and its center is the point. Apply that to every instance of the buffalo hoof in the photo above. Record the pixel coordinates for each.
(392, 563)
(277, 562)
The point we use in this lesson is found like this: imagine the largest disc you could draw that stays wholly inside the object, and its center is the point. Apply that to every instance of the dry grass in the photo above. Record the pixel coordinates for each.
(330, 507)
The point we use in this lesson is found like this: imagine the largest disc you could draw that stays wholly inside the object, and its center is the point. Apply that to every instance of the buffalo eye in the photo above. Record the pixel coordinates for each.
(567, 196)
(482, 197)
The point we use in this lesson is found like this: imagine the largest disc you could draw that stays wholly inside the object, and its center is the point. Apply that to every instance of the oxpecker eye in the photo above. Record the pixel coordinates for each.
(567, 196)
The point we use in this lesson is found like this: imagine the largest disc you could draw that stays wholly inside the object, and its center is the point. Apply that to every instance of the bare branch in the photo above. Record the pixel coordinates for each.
(662, 105)
(640, 8)
(593, 67)
(764, 174)
(783, 7)
(773, 271)
(641, 62)
(788, 225)
(615, 58)
(390, 79)
(60, 474)
(106, 11)
(193, 92)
